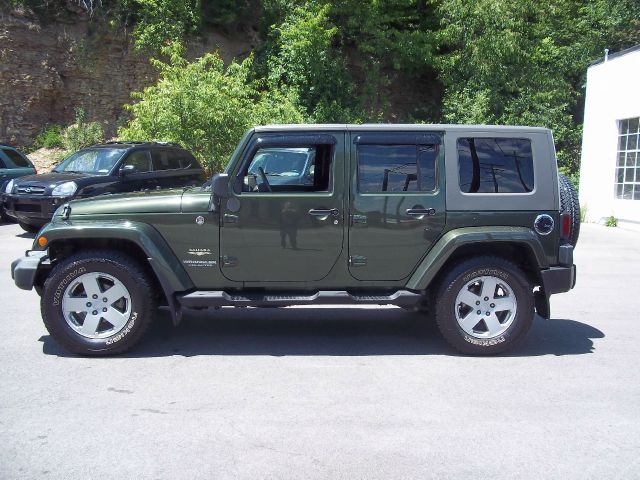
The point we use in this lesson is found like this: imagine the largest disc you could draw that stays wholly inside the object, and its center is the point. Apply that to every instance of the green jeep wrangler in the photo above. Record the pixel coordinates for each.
(472, 224)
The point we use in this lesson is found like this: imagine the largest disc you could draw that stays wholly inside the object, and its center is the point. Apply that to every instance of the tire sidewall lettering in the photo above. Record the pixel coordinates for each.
(62, 285)
(125, 331)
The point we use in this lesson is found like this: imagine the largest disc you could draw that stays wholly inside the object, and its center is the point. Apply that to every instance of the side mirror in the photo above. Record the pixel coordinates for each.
(128, 170)
(220, 185)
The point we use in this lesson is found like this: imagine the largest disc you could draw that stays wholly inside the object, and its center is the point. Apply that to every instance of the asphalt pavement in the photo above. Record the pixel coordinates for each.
(335, 393)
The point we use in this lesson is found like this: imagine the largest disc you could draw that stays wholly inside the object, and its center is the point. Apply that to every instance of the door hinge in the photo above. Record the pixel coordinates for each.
(229, 261)
(357, 261)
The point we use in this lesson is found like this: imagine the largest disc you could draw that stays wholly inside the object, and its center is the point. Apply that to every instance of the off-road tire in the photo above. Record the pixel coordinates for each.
(454, 281)
(27, 227)
(121, 267)
(569, 203)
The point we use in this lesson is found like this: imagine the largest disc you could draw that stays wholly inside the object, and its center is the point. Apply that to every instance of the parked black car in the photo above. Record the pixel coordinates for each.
(13, 164)
(114, 167)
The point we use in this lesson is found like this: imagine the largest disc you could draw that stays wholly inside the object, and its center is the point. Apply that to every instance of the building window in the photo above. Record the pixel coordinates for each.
(628, 166)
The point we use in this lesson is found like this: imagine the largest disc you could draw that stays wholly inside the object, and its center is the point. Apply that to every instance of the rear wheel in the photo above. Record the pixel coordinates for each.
(97, 303)
(484, 306)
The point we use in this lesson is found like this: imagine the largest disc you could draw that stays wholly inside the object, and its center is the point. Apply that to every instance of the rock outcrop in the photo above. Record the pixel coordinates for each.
(49, 70)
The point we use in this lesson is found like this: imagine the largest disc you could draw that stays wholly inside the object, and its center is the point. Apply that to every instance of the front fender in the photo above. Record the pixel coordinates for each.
(454, 239)
(170, 272)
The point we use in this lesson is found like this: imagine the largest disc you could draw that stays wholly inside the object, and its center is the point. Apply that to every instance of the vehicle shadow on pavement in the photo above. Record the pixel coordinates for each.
(330, 331)
(26, 235)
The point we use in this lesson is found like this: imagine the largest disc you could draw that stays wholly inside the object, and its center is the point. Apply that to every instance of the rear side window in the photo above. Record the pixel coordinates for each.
(16, 160)
(397, 168)
(495, 165)
(172, 160)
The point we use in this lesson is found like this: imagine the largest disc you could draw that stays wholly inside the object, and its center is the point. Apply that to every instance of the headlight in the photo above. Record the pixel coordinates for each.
(65, 189)
(9, 187)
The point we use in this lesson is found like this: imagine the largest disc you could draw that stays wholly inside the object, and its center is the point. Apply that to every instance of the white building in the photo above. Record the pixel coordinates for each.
(610, 166)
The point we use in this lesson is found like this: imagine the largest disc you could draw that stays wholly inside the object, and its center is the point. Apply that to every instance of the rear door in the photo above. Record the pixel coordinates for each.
(397, 203)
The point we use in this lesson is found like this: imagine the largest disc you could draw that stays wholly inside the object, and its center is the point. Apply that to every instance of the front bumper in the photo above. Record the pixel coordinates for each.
(25, 269)
(34, 209)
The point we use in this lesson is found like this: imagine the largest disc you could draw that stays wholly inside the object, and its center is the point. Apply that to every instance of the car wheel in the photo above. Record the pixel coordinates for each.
(3, 216)
(569, 203)
(97, 303)
(27, 227)
(484, 306)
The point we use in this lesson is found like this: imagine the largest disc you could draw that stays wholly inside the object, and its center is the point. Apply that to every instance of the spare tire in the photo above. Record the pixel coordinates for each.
(570, 204)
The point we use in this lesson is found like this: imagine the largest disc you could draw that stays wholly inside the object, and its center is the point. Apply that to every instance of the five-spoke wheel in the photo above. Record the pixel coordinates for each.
(97, 302)
(484, 305)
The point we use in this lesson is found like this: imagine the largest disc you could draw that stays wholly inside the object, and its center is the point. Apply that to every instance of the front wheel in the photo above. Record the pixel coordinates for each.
(97, 303)
(484, 306)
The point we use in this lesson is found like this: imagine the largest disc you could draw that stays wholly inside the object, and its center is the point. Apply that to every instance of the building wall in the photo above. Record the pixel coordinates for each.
(613, 94)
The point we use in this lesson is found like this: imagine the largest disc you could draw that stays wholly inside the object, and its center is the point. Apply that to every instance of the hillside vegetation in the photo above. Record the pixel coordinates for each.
(455, 61)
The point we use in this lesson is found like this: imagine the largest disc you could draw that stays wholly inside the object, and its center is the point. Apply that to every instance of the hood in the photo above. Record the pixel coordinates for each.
(47, 179)
(153, 201)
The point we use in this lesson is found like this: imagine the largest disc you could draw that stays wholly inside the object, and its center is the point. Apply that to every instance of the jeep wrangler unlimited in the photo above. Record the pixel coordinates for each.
(472, 224)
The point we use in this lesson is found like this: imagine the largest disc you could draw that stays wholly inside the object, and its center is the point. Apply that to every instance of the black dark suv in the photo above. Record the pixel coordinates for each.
(114, 167)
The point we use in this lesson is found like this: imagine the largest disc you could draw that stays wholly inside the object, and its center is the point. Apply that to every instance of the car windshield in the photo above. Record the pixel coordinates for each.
(99, 161)
(280, 162)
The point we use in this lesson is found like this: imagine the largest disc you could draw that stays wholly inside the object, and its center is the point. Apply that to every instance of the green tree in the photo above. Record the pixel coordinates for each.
(522, 62)
(303, 58)
(160, 22)
(206, 106)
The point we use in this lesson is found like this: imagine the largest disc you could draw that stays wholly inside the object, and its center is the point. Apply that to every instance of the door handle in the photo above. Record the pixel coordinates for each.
(324, 213)
(420, 213)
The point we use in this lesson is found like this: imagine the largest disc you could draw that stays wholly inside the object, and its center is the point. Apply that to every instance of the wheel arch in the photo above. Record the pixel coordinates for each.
(517, 244)
(138, 241)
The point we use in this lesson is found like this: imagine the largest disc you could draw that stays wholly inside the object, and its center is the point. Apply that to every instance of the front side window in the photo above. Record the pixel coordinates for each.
(98, 161)
(397, 168)
(140, 160)
(628, 165)
(495, 165)
(291, 169)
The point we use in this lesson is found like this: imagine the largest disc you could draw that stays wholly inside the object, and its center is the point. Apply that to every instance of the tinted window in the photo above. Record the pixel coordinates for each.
(2, 164)
(139, 159)
(171, 159)
(495, 165)
(99, 161)
(397, 168)
(16, 160)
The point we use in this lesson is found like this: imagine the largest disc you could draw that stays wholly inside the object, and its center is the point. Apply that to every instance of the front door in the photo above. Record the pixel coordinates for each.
(397, 204)
(284, 221)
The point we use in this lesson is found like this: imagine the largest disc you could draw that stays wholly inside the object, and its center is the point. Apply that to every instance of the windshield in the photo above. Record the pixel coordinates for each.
(99, 161)
(285, 162)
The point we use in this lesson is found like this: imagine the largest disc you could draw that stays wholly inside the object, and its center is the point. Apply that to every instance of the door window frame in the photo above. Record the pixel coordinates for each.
(303, 140)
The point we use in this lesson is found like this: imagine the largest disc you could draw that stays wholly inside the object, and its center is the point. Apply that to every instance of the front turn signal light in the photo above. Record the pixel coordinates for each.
(42, 241)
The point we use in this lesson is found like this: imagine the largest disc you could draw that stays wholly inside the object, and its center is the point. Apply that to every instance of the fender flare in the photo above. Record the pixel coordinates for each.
(169, 271)
(446, 246)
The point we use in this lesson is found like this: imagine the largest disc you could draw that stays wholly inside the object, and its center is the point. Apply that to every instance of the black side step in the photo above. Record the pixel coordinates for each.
(219, 298)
